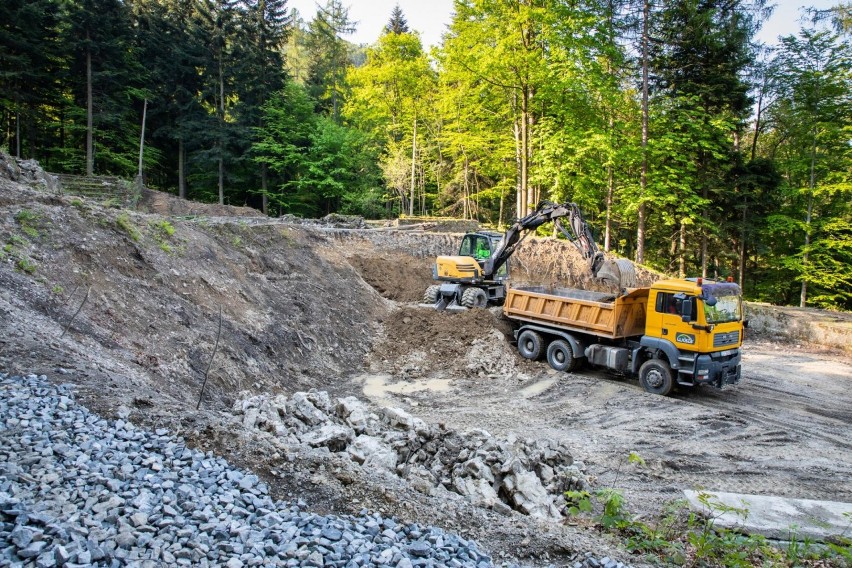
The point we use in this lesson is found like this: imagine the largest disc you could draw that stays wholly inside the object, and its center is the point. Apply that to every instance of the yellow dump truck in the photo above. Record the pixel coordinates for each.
(676, 332)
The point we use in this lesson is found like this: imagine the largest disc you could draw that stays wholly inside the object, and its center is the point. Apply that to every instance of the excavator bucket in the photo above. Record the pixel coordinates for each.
(619, 272)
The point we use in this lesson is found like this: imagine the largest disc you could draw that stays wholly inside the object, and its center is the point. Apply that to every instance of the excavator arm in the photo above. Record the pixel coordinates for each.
(580, 235)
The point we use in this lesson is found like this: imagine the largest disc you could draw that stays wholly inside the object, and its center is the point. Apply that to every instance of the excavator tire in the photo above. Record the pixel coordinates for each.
(431, 294)
(474, 298)
(530, 345)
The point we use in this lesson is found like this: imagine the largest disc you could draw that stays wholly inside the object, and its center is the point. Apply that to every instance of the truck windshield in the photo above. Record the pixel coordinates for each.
(727, 308)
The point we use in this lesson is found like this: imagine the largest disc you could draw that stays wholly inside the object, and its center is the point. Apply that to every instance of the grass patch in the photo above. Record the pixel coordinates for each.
(124, 223)
(162, 233)
(29, 221)
(25, 264)
(57, 289)
(686, 538)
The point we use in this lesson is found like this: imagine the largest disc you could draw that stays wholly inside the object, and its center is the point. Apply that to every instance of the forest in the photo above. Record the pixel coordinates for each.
(689, 146)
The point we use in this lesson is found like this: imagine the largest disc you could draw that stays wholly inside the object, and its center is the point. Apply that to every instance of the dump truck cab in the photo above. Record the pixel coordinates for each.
(698, 326)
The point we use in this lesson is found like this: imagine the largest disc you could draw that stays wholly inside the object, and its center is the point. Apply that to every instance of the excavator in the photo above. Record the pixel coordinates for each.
(475, 277)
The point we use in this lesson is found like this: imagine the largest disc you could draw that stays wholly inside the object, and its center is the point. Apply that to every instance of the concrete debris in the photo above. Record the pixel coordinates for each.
(522, 475)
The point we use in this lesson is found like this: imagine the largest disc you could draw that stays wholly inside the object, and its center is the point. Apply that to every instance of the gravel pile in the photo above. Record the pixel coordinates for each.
(79, 490)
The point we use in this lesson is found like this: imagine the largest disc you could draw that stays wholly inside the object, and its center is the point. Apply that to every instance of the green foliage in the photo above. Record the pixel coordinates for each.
(29, 221)
(162, 232)
(523, 101)
(578, 502)
(26, 264)
(57, 289)
(125, 224)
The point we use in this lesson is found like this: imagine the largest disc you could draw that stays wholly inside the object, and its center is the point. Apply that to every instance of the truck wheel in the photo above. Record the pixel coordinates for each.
(474, 298)
(561, 356)
(432, 294)
(530, 344)
(655, 376)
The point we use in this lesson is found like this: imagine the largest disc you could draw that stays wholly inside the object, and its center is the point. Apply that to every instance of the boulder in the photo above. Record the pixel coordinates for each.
(478, 491)
(332, 436)
(529, 496)
(372, 452)
(302, 408)
(353, 412)
(398, 418)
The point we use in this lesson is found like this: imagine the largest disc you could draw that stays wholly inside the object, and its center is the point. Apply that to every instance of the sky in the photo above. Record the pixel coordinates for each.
(431, 17)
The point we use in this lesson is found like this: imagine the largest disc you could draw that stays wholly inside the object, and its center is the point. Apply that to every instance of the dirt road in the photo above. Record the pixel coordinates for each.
(786, 429)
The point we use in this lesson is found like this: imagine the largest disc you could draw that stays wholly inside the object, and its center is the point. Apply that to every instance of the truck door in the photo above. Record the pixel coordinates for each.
(670, 308)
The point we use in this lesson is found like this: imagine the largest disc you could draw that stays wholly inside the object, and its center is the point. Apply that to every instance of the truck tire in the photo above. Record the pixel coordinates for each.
(431, 295)
(560, 356)
(474, 298)
(655, 376)
(530, 345)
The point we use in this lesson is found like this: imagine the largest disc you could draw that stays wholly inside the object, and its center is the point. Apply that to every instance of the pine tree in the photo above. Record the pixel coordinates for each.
(397, 23)
(30, 64)
(260, 70)
(105, 80)
(329, 56)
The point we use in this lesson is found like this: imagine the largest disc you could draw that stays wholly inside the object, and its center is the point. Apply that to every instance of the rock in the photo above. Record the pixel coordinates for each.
(478, 491)
(529, 495)
(333, 436)
(302, 408)
(372, 452)
(398, 418)
(353, 412)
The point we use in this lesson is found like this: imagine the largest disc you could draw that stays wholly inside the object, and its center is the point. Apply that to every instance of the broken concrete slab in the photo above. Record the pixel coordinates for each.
(774, 517)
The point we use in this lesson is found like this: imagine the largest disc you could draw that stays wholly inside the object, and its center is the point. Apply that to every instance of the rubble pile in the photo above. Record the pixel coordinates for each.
(512, 474)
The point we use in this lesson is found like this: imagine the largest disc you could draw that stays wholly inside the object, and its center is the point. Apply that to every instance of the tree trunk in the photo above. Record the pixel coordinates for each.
(643, 177)
(413, 165)
(803, 300)
(741, 275)
(90, 157)
(519, 192)
(610, 189)
(264, 186)
(525, 152)
(181, 168)
(142, 137)
(221, 130)
(17, 133)
(682, 252)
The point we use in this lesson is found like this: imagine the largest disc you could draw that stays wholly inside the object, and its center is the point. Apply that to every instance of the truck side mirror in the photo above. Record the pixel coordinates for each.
(686, 311)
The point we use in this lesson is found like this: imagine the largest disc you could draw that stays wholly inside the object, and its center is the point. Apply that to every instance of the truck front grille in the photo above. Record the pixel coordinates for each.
(730, 338)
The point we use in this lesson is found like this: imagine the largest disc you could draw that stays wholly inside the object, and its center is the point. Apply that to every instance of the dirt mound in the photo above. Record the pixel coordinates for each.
(399, 263)
(549, 261)
(161, 203)
(395, 276)
(420, 341)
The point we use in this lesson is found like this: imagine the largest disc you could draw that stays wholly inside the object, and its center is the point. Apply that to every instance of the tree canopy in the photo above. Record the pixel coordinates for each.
(687, 145)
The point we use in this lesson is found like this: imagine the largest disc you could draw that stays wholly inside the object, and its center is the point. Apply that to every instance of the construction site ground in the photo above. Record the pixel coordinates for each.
(131, 306)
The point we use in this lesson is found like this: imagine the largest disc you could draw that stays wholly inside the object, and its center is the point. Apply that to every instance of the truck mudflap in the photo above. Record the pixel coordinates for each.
(718, 369)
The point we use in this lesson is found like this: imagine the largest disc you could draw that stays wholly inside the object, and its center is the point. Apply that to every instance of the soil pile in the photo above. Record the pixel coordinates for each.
(419, 342)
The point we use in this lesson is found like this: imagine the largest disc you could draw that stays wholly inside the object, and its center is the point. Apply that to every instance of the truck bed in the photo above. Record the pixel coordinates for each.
(603, 315)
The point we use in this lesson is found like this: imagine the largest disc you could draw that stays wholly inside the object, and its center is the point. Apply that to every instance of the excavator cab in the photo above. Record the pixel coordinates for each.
(481, 246)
